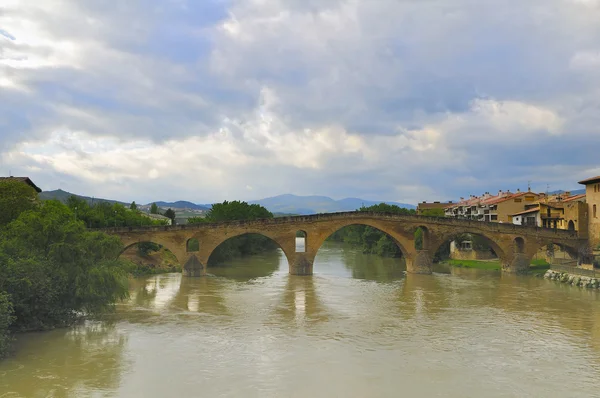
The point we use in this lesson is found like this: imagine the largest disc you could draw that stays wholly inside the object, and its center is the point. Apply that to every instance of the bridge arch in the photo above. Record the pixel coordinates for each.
(149, 246)
(405, 244)
(208, 252)
(519, 245)
(502, 253)
(575, 253)
(192, 245)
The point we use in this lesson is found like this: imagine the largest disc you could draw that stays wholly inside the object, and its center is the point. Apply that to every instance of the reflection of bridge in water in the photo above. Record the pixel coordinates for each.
(515, 245)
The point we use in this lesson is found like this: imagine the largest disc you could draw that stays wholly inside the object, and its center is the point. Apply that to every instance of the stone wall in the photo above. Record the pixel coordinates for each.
(472, 255)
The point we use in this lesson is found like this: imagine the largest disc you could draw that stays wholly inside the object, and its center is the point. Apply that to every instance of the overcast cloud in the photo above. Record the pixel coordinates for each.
(401, 100)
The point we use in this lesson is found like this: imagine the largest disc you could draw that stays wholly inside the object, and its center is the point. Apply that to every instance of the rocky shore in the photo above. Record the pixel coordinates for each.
(575, 280)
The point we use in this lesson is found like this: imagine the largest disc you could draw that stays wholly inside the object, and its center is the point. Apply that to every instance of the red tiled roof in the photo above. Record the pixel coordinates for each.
(590, 180)
(575, 197)
(534, 210)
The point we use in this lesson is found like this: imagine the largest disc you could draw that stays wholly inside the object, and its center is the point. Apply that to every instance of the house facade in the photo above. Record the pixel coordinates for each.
(592, 197)
(492, 208)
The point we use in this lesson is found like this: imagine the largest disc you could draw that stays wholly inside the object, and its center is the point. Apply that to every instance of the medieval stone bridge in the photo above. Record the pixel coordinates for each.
(515, 245)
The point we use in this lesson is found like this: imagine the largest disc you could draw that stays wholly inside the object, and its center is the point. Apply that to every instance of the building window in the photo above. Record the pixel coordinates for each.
(518, 200)
(595, 214)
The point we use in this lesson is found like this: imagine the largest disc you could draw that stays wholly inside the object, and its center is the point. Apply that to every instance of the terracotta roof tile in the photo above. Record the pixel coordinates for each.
(590, 180)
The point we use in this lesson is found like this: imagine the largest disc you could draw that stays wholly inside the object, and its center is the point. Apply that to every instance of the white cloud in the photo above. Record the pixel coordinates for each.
(388, 99)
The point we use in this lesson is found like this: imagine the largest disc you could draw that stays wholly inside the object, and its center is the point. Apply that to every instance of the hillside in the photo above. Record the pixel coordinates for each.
(316, 204)
(63, 196)
(181, 204)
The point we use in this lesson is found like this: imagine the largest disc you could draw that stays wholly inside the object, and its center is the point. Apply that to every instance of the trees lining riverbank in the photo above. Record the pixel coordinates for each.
(53, 270)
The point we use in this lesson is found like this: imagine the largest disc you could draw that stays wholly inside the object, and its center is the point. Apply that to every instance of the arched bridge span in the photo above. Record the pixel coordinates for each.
(515, 245)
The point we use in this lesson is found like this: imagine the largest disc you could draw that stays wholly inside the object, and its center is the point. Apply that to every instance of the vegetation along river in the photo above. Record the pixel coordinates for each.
(359, 327)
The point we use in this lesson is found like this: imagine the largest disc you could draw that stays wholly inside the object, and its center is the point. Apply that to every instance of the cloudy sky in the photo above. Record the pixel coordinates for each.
(208, 100)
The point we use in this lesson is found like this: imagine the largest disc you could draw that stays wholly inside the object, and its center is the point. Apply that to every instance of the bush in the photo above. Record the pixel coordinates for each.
(55, 270)
(145, 248)
(6, 319)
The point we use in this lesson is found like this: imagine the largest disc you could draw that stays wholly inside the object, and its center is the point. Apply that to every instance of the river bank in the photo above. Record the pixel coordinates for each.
(572, 279)
(537, 266)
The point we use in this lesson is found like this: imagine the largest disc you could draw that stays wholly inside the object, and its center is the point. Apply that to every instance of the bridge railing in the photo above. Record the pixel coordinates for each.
(499, 227)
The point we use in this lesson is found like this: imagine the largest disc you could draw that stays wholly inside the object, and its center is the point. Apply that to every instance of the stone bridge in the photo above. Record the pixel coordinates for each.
(515, 245)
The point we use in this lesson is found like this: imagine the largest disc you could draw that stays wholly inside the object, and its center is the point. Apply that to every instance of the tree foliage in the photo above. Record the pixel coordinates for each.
(240, 245)
(154, 209)
(236, 210)
(6, 319)
(196, 220)
(15, 198)
(133, 206)
(372, 240)
(53, 270)
(104, 214)
(170, 213)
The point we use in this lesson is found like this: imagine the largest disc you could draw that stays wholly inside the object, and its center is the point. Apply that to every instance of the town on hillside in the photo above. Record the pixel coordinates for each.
(557, 211)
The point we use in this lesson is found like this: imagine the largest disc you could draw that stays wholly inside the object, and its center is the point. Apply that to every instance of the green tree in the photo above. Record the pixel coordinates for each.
(240, 245)
(369, 239)
(15, 198)
(133, 206)
(54, 269)
(170, 213)
(154, 209)
(6, 319)
(236, 210)
(196, 220)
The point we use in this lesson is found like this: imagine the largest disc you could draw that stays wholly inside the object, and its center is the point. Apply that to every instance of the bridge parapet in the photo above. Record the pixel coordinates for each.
(514, 244)
(409, 219)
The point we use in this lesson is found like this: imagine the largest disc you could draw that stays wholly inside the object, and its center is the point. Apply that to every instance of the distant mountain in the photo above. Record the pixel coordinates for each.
(282, 204)
(316, 204)
(63, 196)
(574, 192)
(180, 204)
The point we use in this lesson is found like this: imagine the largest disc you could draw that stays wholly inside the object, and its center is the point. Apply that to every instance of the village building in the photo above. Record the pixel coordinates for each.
(25, 180)
(424, 206)
(492, 208)
(592, 196)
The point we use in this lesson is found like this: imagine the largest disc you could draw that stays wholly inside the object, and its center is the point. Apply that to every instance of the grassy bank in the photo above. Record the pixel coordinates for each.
(538, 266)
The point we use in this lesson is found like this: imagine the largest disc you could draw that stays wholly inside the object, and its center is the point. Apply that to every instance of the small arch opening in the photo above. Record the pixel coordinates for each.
(468, 250)
(301, 242)
(519, 245)
(192, 245)
(421, 238)
(149, 257)
(571, 226)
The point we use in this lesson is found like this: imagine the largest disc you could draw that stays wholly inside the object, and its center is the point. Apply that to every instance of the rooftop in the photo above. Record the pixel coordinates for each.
(534, 210)
(26, 180)
(575, 197)
(590, 180)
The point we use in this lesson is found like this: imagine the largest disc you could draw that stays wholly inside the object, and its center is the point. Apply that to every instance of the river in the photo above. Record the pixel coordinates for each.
(359, 327)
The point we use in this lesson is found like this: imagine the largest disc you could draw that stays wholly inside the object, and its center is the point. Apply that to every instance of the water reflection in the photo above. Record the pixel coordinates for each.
(358, 327)
(66, 362)
(250, 267)
(373, 268)
(300, 303)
